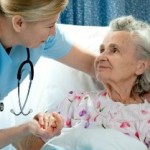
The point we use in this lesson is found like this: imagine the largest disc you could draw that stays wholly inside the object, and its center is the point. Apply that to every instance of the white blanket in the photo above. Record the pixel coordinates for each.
(93, 139)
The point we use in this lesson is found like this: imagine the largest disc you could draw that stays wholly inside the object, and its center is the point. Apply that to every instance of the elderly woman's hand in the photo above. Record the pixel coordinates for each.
(50, 123)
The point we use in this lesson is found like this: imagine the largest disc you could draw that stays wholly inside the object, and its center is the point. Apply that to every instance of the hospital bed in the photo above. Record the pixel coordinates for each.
(52, 81)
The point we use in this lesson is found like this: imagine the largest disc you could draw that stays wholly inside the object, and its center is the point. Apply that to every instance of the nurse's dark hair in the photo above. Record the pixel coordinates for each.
(32, 10)
(140, 32)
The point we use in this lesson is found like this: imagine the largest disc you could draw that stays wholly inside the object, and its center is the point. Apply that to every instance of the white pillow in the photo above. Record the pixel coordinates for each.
(93, 139)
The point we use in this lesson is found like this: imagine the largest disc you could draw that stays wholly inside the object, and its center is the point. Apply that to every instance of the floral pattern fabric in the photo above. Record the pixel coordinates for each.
(90, 109)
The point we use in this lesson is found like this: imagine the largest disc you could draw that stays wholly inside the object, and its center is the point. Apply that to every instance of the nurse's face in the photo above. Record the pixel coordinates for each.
(35, 33)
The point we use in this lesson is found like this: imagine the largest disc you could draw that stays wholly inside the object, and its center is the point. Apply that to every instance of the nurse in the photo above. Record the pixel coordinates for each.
(28, 29)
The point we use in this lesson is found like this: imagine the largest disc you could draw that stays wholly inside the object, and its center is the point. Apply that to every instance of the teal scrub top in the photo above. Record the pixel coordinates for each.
(54, 47)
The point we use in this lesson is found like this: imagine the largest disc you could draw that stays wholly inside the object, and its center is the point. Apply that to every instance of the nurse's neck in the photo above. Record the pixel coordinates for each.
(8, 50)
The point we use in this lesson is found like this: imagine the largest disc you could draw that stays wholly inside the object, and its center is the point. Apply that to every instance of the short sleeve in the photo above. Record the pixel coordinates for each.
(57, 46)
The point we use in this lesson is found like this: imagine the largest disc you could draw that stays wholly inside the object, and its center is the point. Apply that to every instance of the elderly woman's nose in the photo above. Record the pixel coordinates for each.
(101, 59)
(103, 56)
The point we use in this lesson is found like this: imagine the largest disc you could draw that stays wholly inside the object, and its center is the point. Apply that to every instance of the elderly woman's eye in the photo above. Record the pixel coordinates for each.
(114, 50)
(101, 50)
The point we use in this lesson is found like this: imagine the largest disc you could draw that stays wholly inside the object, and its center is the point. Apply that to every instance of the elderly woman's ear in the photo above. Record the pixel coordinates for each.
(142, 66)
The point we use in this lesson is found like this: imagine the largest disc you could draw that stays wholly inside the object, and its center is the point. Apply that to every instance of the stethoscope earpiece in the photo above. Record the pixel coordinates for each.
(31, 110)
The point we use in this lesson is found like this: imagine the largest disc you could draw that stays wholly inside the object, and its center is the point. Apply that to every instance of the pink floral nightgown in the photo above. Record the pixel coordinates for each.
(97, 109)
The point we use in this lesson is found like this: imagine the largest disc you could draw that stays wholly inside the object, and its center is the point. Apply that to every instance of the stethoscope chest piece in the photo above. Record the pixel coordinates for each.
(1, 106)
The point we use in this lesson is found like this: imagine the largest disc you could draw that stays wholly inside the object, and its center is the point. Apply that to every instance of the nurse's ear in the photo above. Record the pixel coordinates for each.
(18, 23)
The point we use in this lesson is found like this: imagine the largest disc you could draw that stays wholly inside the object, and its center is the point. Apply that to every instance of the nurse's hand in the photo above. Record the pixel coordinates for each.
(51, 124)
(43, 127)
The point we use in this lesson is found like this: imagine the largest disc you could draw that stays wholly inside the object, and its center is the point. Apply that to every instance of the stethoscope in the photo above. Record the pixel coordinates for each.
(19, 74)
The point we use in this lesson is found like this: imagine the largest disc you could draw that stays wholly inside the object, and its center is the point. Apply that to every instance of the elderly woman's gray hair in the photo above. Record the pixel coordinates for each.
(140, 32)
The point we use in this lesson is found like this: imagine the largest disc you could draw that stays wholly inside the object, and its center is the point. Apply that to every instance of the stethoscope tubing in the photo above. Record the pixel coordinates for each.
(19, 74)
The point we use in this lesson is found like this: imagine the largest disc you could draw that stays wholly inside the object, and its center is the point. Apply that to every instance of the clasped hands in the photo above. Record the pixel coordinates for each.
(39, 130)
(49, 125)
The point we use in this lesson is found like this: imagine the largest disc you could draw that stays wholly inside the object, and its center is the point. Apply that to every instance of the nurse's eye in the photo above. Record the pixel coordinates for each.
(51, 26)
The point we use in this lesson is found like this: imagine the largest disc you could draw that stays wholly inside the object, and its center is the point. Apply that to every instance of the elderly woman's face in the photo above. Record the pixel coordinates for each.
(117, 61)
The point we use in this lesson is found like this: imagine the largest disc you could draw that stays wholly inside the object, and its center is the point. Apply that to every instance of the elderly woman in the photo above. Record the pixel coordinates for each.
(123, 66)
